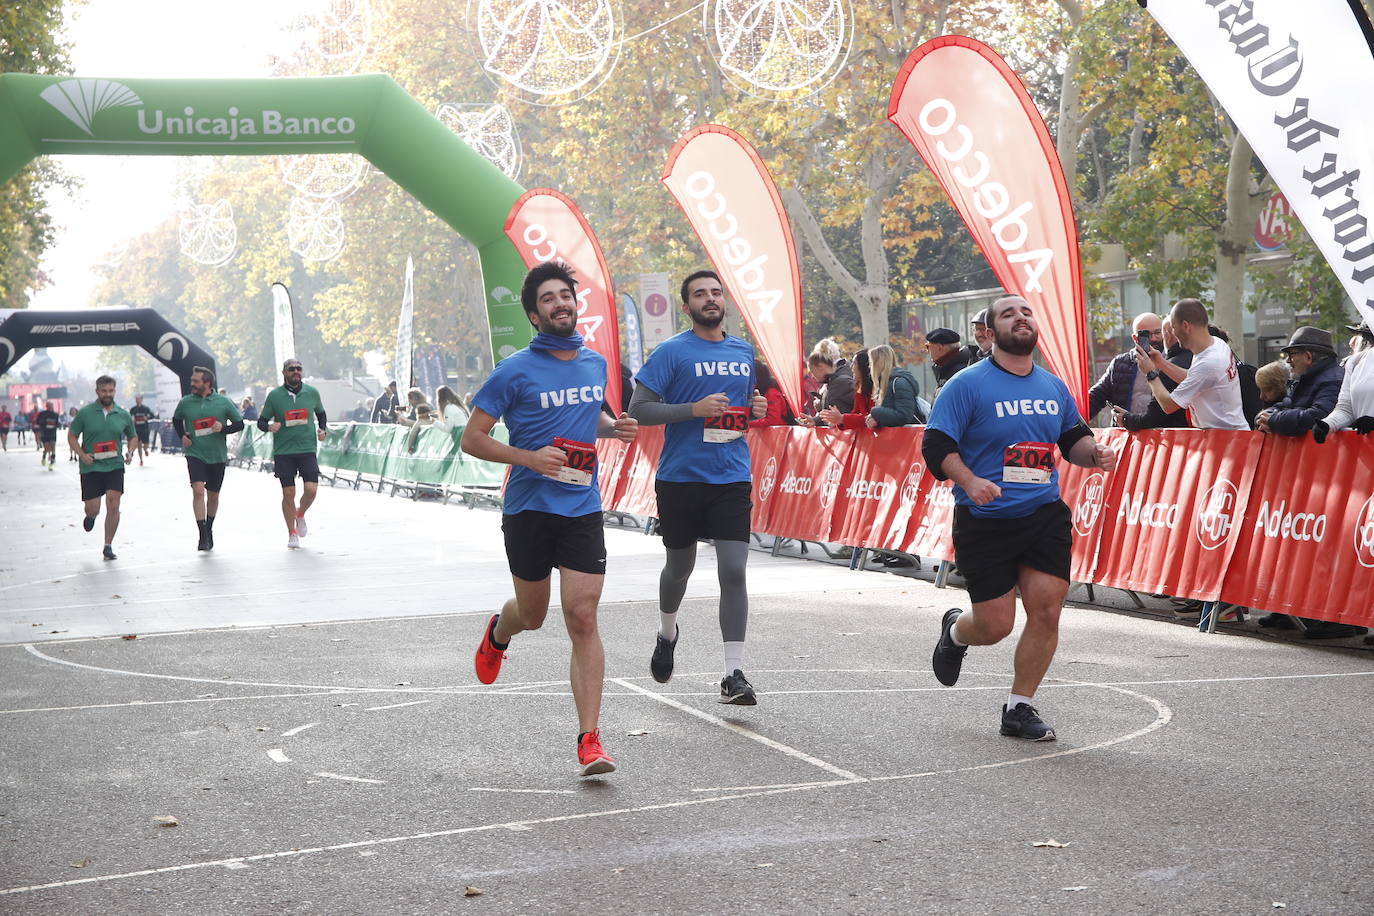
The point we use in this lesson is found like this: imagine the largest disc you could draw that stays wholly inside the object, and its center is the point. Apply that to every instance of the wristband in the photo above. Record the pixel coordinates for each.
(1151, 375)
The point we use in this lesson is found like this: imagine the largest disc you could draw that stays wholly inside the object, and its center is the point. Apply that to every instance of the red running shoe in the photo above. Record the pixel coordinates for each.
(489, 657)
(591, 756)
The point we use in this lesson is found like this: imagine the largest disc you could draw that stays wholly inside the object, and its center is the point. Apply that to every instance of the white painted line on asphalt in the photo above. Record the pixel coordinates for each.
(781, 785)
(524, 791)
(298, 729)
(277, 755)
(740, 730)
(397, 705)
(264, 696)
(375, 782)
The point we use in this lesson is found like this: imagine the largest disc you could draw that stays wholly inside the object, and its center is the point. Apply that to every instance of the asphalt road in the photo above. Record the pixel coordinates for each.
(312, 721)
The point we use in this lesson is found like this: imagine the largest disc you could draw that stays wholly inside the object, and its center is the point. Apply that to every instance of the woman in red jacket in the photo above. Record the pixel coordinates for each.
(779, 414)
(863, 397)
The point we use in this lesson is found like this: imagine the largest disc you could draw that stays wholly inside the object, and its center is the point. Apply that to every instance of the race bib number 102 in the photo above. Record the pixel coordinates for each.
(727, 427)
(1028, 462)
(581, 462)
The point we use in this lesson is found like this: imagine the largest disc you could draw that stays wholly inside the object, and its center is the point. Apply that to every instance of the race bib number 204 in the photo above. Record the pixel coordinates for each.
(1028, 462)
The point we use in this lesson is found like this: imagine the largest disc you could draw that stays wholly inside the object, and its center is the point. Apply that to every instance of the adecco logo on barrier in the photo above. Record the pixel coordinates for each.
(770, 477)
(831, 485)
(1364, 534)
(1092, 495)
(912, 486)
(1217, 516)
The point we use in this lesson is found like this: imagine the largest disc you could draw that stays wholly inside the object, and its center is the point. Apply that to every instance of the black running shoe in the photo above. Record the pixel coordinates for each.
(661, 664)
(108, 553)
(948, 658)
(204, 543)
(1025, 722)
(88, 522)
(735, 690)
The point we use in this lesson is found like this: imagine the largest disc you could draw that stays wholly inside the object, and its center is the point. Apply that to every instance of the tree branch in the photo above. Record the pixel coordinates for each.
(802, 216)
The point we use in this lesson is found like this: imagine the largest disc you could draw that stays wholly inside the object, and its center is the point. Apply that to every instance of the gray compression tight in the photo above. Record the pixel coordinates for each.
(731, 557)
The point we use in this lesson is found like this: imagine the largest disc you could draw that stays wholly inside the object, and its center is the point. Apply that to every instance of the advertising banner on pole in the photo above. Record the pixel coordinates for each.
(634, 339)
(974, 124)
(1295, 78)
(283, 327)
(723, 187)
(544, 225)
(660, 309)
(405, 333)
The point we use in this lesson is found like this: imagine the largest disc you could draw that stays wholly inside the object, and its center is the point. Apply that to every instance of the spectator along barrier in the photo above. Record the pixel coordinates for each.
(1267, 522)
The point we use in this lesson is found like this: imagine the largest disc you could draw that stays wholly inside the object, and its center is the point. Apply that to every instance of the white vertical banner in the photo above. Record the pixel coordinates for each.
(283, 327)
(1296, 78)
(168, 391)
(405, 333)
(657, 304)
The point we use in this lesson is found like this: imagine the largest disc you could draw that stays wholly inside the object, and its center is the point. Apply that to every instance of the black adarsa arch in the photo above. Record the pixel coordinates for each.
(26, 329)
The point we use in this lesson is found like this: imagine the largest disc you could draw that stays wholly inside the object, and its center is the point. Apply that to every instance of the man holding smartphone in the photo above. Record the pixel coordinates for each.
(1123, 385)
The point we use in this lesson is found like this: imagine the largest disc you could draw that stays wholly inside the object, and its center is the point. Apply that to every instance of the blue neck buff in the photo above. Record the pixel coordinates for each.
(546, 341)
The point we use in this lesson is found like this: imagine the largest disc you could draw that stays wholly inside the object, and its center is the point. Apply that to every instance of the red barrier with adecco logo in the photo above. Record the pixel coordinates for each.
(1306, 544)
(804, 500)
(1173, 511)
(931, 531)
(880, 488)
(636, 491)
(767, 454)
(1084, 491)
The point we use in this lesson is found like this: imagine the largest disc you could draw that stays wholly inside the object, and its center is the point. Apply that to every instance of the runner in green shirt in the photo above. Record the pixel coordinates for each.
(204, 419)
(294, 415)
(94, 435)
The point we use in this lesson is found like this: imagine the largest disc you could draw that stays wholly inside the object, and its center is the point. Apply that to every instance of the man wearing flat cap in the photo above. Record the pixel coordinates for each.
(946, 356)
(1313, 389)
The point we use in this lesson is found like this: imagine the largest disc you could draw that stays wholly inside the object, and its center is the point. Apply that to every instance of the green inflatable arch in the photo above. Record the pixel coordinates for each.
(367, 115)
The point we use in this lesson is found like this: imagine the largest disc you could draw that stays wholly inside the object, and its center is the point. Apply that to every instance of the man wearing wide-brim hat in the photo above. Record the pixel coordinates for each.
(1313, 389)
(1312, 393)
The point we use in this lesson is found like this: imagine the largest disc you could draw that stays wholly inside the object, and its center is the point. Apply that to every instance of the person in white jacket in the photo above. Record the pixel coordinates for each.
(1355, 404)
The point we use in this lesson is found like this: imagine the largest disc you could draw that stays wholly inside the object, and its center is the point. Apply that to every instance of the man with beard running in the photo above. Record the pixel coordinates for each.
(94, 435)
(45, 427)
(700, 385)
(294, 415)
(994, 431)
(550, 395)
(204, 419)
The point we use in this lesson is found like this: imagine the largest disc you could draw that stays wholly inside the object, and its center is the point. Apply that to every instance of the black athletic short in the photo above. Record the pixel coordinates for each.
(143, 432)
(688, 511)
(536, 542)
(212, 475)
(990, 551)
(49, 435)
(286, 467)
(94, 484)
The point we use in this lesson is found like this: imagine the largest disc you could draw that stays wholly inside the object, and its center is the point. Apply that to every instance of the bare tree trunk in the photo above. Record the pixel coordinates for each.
(1233, 239)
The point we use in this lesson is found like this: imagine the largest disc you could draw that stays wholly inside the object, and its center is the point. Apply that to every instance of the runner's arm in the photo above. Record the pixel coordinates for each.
(646, 406)
(231, 427)
(320, 418)
(179, 425)
(478, 442)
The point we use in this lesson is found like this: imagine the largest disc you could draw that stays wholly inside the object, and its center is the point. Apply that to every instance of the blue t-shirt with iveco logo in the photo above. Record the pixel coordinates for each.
(985, 409)
(541, 398)
(683, 369)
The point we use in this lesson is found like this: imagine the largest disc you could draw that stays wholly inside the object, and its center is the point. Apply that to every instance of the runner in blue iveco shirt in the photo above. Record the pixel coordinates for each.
(700, 384)
(550, 396)
(994, 431)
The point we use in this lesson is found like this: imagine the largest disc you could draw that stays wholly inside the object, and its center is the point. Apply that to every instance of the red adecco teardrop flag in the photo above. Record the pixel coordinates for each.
(544, 225)
(974, 124)
(722, 185)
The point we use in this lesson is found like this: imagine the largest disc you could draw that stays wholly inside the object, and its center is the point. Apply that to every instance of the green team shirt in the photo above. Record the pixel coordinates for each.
(99, 434)
(296, 414)
(199, 415)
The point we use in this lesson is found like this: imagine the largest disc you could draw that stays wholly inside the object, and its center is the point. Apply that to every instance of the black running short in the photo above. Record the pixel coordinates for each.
(212, 475)
(49, 435)
(94, 484)
(536, 542)
(688, 511)
(286, 467)
(143, 432)
(991, 551)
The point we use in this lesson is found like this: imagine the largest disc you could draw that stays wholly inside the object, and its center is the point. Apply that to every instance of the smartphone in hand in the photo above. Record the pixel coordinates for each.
(1142, 340)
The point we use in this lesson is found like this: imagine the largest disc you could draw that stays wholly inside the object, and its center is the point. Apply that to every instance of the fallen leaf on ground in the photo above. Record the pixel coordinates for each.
(637, 733)
(165, 820)
(116, 596)
(259, 728)
(1280, 906)
(471, 892)
(129, 636)
(402, 684)
(1081, 887)
(801, 656)
(82, 864)
(1050, 844)
(205, 696)
(764, 865)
